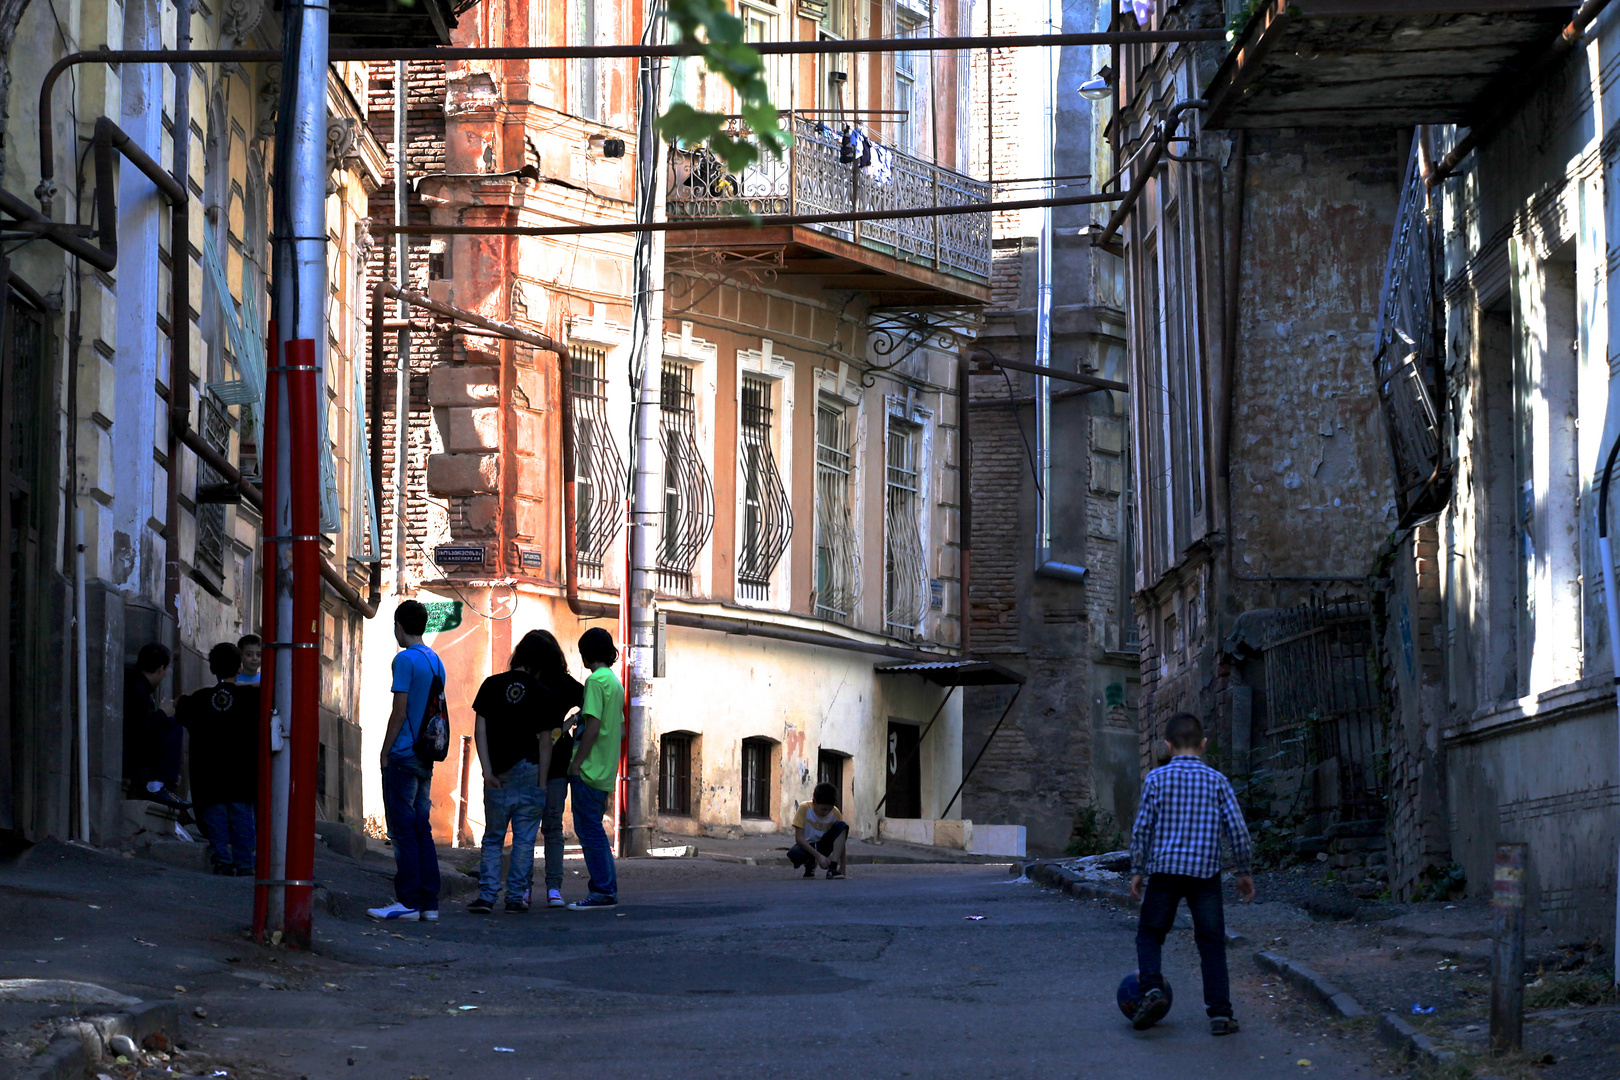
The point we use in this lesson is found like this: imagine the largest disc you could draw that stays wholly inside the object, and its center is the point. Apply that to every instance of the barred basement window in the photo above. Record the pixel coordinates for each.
(838, 568)
(756, 778)
(767, 514)
(905, 573)
(688, 489)
(675, 774)
(598, 468)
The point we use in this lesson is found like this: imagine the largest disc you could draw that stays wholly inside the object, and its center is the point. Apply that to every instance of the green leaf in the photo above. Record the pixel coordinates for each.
(725, 52)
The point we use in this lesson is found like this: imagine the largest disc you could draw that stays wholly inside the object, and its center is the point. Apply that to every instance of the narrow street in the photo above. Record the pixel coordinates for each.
(708, 970)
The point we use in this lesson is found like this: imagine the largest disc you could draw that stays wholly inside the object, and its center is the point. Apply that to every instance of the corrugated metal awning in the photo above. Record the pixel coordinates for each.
(957, 672)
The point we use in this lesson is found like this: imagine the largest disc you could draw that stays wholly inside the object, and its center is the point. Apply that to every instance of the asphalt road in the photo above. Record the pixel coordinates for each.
(705, 970)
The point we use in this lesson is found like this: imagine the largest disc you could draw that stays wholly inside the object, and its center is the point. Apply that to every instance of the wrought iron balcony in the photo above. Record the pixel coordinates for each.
(946, 257)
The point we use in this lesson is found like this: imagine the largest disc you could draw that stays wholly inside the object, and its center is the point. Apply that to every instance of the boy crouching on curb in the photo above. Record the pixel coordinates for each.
(1176, 844)
(820, 834)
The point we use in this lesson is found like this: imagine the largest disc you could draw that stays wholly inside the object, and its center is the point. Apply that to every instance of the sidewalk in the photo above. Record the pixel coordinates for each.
(1426, 963)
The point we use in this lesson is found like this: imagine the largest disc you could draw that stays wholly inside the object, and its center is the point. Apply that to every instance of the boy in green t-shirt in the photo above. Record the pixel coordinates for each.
(594, 772)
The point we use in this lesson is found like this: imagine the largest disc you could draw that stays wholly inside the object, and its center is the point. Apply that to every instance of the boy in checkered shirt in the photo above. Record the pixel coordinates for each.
(1176, 844)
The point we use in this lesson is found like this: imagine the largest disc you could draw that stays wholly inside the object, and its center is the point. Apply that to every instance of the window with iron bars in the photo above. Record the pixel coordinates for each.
(838, 566)
(756, 778)
(215, 426)
(675, 774)
(767, 514)
(688, 489)
(598, 468)
(905, 571)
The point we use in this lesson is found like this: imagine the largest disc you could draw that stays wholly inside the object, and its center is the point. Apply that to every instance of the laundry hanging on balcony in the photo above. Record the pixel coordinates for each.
(881, 170)
(855, 148)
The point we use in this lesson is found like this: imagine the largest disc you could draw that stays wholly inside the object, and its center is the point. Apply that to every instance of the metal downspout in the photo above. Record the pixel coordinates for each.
(402, 372)
(179, 414)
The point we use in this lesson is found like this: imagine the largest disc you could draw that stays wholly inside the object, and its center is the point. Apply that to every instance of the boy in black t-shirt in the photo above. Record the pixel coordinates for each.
(224, 723)
(511, 718)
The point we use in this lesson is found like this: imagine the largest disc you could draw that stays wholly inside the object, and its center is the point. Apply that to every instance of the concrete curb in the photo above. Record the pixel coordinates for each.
(1325, 995)
(82, 1044)
(1393, 1031)
(1406, 1040)
(1068, 882)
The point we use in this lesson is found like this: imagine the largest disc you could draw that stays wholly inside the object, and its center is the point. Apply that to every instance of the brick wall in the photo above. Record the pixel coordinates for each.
(424, 155)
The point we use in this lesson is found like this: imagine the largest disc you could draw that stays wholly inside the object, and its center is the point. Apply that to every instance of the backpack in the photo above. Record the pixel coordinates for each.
(433, 733)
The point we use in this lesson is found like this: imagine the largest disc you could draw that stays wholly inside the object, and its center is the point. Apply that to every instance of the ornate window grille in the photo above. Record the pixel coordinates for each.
(599, 470)
(905, 570)
(838, 567)
(767, 514)
(1407, 364)
(688, 488)
(215, 425)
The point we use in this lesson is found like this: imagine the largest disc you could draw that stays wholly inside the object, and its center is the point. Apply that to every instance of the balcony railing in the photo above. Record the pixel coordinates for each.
(810, 179)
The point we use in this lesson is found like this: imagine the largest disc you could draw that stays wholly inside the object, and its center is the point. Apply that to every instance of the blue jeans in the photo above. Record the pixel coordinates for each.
(1158, 914)
(233, 835)
(589, 804)
(551, 825)
(407, 801)
(519, 801)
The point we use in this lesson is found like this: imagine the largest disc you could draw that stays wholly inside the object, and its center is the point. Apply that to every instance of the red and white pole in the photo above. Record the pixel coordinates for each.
(304, 636)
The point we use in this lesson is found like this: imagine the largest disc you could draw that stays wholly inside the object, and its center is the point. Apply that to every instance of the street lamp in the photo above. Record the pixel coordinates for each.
(1099, 86)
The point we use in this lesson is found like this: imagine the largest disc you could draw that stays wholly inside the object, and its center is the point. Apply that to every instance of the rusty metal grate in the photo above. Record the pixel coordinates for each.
(838, 562)
(1324, 722)
(905, 571)
(688, 488)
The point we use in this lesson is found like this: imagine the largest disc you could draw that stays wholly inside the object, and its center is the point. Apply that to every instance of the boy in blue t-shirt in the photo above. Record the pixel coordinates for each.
(407, 776)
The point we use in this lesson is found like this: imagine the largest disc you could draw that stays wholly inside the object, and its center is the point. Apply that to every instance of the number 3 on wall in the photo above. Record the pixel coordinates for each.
(894, 753)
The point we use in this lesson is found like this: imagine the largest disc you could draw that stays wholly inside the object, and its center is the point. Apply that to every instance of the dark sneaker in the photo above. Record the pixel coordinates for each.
(165, 797)
(810, 870)
(592, 903)
(480, 906)
(224, 869)
(834, 871)
(516, 907)
(244, 871)
(1223, 1025)
(1150, 1010)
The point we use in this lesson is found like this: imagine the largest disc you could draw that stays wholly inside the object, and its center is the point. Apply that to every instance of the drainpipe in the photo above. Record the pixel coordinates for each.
(1144, 173)
(1229, 335)
(179, 323)
(1611, 606)
(81, 679)
(964, 501)
(300, 299)
(1044, 566)
(402, 371)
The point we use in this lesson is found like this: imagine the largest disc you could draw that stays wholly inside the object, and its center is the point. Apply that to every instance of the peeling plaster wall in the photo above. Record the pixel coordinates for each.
(1311, 485)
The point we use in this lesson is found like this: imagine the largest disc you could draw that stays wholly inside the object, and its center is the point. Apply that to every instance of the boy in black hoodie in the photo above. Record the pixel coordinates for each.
(224, 724)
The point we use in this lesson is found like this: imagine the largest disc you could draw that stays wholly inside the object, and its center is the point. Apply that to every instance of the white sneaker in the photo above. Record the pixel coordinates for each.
(394, 912)
(431, 916)
(554, 898)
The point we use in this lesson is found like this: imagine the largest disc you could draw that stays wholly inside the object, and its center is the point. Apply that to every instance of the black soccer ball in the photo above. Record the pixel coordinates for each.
(1130, 994)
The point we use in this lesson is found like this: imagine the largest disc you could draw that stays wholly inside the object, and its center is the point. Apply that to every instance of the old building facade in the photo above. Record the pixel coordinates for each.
(810, 446)
(1254, 258)
(1052, 488)
(1408, 420)
(104, 421)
